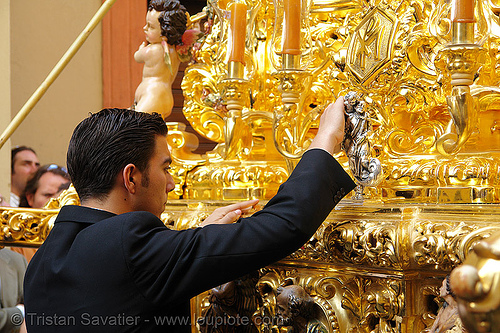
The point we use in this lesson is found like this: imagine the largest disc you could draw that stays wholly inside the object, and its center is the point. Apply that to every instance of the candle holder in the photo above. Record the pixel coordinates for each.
(304, 57)
(235, 92)
(291, 123)
(460, 60)
(222, 21)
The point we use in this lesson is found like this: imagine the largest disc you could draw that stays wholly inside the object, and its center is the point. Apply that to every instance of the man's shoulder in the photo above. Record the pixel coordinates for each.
(84, 214)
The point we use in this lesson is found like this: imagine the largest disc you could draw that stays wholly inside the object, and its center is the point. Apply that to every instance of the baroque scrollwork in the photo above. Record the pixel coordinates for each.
(354, 242)
(30, 227)
(26, 226)
(377, 304)
(445, 246)
(362, 243)
(321, 288)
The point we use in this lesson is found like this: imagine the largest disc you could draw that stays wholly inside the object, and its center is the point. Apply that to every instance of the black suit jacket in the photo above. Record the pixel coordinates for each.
(101, 272)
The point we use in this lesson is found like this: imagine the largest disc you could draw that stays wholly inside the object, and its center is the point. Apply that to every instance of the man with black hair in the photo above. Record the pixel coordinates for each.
(111, 265)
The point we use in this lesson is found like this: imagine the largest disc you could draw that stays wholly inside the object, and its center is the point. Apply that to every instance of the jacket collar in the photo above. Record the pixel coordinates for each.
(82, 214)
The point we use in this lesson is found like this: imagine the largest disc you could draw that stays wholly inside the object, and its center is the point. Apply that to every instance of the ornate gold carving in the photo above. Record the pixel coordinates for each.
(399, 57)
(371, 47)
(439, 245)
(26, 227)
(376, 304)
(321, 288)
(238, 180)
(355, 242)
(370, 304)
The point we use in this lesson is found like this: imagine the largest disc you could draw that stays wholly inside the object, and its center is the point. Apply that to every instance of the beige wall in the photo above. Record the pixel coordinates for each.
(5, 94)
(41, 31)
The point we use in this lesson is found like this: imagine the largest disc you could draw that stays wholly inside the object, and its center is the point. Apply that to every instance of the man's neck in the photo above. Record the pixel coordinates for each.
(16, 191)
(110, 204)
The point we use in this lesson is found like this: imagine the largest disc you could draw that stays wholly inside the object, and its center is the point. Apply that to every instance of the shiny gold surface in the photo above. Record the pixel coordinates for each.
(430, 90)
(431, 131)
(378, 267)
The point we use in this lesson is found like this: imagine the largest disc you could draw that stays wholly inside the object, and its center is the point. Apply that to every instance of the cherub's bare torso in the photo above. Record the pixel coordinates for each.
(154, 93)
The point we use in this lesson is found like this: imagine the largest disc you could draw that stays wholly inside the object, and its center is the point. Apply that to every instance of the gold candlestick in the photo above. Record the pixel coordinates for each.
(236, 132)
(290, 125)
(461, 60)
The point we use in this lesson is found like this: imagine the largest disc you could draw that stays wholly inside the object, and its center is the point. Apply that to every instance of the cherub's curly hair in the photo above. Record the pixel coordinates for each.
(448, 287)
(173, 19)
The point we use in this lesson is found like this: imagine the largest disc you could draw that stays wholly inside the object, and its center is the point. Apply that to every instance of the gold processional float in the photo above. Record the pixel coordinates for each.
(420, 81)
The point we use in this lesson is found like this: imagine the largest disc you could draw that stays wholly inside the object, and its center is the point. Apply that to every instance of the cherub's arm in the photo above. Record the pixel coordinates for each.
(140, 53)
(149, 53)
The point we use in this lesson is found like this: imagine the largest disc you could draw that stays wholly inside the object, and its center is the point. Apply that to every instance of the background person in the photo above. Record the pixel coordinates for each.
(47, 182)
(24, 164)
(12, 269)
(447, 319)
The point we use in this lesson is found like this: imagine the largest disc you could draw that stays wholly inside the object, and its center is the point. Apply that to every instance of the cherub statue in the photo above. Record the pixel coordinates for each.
(231, 307)
(166, 42)
(447, 319)
(296, 310)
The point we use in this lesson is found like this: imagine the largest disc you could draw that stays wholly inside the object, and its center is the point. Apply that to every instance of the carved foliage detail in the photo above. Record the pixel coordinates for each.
(355, 242)
(444, 246)
(377, 304)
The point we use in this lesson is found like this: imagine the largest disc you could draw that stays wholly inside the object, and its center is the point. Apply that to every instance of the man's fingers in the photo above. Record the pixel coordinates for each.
(229, 214)
(230, 217)
(244, 206)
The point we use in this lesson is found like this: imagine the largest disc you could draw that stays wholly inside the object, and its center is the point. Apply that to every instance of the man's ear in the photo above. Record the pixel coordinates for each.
(131, 178)
(30, 197)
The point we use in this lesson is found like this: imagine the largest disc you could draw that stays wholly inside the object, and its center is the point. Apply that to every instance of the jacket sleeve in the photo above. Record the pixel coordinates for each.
(171, 265)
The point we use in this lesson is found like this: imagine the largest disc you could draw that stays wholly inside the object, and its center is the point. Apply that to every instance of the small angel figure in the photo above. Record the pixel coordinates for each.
(447, 319)
(167, 42)
(296, 311)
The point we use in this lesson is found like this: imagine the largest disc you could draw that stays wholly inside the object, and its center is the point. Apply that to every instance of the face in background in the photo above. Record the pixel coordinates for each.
(48, 187)
(152, 28)
(26, 163)
(156, 181)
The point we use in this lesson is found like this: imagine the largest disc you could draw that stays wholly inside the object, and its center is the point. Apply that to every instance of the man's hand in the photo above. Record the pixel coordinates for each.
(229, 214)
(331, 128)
